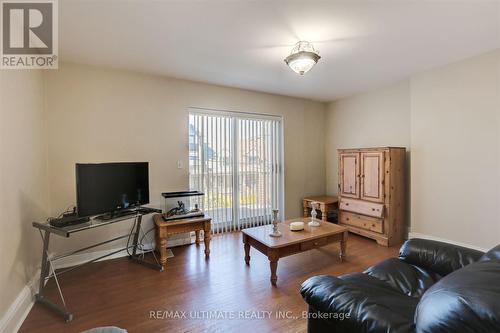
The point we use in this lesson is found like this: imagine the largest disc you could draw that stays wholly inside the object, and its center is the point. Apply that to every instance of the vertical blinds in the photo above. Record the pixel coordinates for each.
(236, 160)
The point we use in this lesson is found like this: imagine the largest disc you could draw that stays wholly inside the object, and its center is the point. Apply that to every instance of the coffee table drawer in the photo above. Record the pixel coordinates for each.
(313, 244)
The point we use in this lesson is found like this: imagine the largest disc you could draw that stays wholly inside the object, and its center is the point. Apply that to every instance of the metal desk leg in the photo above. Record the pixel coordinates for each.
(44, 273)
(136, 235)
(134, 257)
(44, 270)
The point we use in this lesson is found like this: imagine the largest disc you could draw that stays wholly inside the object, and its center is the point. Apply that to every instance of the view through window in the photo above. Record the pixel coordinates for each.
(236, 160)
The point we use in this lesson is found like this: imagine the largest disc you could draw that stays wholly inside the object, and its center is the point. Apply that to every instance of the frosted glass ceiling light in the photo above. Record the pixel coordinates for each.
(302, 58)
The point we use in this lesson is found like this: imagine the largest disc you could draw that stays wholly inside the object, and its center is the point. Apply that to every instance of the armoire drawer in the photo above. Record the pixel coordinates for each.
(360, 221)
(362, 207)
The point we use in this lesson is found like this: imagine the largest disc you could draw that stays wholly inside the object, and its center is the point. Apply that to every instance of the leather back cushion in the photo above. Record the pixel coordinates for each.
(494, 253)
(408, 279)
(465, 301)
(439, 257)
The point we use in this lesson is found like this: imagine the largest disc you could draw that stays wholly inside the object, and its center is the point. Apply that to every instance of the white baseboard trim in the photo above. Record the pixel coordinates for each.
(12, 320)
(19, 309)
(418, 235)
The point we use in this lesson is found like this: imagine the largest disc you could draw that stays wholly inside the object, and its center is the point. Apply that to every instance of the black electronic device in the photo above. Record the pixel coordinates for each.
(111, 188)
(67, 220)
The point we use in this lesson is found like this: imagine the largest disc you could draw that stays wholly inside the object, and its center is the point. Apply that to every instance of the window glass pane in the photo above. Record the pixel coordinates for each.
(235, 161)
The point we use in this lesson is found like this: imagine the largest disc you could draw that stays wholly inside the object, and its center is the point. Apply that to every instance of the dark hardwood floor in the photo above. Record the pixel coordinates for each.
(121, 293)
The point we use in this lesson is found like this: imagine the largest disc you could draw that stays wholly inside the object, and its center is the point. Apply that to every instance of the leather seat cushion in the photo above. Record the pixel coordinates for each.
(372, 304)
(407, 279)
(465, 301)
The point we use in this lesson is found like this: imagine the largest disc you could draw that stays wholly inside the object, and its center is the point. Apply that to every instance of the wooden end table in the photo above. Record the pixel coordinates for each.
(169, 228)
(292, 242)
(326, 204)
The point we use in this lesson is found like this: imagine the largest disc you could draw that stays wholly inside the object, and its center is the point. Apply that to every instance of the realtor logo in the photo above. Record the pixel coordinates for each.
(29, 34)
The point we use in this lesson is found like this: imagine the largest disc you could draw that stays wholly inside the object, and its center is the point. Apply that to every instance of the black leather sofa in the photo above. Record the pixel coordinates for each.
(432, 287)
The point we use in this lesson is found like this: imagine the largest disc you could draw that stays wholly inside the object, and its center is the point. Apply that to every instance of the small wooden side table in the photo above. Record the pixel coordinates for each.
(326, 204)
(169, 228)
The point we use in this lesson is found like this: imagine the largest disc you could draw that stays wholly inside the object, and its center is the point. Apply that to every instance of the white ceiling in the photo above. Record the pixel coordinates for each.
(242, 43)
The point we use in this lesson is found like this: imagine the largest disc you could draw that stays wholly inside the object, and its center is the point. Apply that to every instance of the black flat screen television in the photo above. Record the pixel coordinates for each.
(110, 187)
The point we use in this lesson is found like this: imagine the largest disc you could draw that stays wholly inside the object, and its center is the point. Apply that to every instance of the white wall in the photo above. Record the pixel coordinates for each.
(455, 125)
(99, 115)
(375, 119)
(23, 180)
(449, 118)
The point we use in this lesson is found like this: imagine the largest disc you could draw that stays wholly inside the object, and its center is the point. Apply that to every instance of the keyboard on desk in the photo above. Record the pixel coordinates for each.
(115, 215)
(147, 210)
(127, 212)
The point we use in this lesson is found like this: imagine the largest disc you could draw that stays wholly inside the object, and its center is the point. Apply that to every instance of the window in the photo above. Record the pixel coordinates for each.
(236, 160)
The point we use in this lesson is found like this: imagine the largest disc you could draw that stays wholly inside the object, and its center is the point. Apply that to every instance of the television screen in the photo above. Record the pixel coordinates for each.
(108, 187)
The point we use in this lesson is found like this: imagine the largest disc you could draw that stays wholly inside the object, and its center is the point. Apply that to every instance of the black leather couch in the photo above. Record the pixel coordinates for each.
(432, 287)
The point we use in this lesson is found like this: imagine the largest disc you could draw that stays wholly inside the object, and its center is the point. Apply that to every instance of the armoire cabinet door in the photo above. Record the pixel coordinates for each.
(372, 176)
(349, 175)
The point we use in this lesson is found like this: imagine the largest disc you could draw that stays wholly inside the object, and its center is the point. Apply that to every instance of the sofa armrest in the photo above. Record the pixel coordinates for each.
(441, 258)
(318, 291)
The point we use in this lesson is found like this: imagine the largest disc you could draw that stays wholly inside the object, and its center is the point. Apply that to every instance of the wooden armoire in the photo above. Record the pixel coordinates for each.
(371, 193)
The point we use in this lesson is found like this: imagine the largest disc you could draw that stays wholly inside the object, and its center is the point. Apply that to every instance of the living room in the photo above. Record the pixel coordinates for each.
(295, 166)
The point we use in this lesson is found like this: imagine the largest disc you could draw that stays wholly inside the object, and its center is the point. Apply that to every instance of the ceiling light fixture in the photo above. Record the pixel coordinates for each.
(302, 58)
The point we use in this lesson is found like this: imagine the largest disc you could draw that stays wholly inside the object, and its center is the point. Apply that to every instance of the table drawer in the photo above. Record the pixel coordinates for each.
(313, 244)
(360, 221)
(362, 207)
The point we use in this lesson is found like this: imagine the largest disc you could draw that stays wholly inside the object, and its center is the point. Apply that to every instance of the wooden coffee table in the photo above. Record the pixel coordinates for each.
(292, 242)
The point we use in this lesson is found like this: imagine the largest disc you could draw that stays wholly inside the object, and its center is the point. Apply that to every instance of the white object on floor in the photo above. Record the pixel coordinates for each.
(297, 226)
